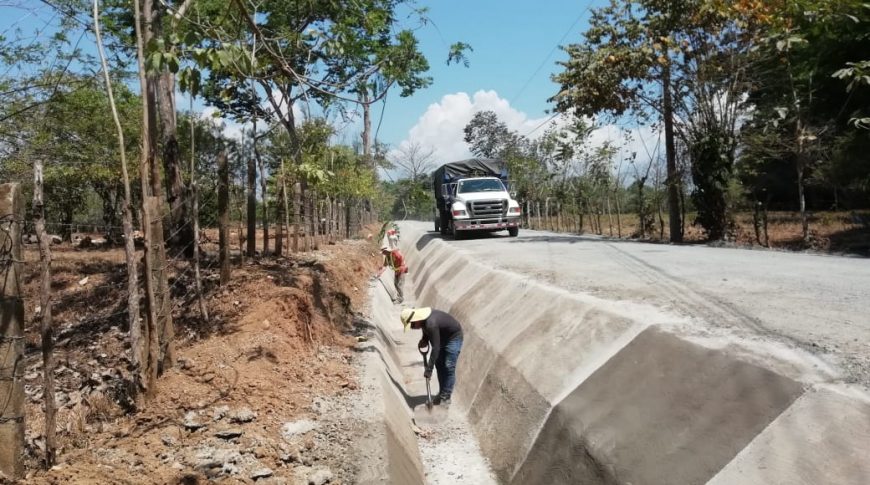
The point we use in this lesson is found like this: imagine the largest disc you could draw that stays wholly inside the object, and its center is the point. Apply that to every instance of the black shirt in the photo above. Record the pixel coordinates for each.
(438, 330)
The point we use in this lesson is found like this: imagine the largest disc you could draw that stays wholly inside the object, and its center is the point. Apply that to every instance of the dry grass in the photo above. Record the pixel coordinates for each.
(841, 232)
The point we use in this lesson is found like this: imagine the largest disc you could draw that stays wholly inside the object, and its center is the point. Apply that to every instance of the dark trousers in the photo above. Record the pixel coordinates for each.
(446, 366)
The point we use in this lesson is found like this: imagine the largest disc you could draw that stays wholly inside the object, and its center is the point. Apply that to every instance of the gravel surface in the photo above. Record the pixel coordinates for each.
(812, 302)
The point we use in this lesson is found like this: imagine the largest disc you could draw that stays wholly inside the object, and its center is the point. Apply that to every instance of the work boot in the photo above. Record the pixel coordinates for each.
(442, 400)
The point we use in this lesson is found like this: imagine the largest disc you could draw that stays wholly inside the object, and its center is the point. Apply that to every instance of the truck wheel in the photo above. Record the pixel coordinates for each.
(513, 231)
(457, 235)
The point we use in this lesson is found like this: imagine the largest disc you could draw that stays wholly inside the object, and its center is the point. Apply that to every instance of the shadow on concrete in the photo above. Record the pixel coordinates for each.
(366, 327)
(550, 239)
(425, 239)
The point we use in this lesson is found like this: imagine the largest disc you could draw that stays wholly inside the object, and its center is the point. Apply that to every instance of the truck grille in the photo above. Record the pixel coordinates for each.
(488, 208)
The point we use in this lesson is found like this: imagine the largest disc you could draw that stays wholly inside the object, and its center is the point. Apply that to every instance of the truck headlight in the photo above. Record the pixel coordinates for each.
(459, 213)
(514, 210)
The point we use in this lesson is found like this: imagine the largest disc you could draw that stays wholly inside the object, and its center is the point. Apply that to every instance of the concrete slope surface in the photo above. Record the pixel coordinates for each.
(593, 361)
(816, 302)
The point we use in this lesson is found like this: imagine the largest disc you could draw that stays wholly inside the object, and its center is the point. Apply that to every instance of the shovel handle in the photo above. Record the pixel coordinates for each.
(424, 350)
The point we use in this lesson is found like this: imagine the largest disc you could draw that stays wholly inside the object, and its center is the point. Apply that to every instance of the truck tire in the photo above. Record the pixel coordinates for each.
(444, 223)
(513, 231)
(457, 235)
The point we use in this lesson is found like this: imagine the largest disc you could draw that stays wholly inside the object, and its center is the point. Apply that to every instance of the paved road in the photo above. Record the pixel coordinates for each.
(816, 302)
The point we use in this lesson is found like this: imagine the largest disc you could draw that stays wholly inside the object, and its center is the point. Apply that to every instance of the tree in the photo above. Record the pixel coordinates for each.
(414, 160)
(68, 131)
(488, 137)
(692, 52)
(627, 51)
(803, 118)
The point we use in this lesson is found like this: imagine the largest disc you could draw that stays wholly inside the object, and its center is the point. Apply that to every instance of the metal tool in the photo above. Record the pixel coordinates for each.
(424, 351)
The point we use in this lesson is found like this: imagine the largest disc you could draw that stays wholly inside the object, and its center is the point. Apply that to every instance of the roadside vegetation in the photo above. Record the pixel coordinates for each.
(162, 162)
(741, 121)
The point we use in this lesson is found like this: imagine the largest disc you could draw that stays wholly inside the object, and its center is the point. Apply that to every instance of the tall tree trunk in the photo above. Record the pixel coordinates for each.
(264, 188)
(163, 348)
(367, 130)
(310, 236)
(297, 215)
(279, 231)
(194, 195)
(673, 180)
(133, 319)
(45, 310)
(641, 208)
(151, 29)
(252, 206)
(11, 333)
(146, 164)
(609, 215)
(800, 168)
(181, 235)
(224, 217)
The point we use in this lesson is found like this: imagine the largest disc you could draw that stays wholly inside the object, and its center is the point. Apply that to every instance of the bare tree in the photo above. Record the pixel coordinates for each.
(414, 160)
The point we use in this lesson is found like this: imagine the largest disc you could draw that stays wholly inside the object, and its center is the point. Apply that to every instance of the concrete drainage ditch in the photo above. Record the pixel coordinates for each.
(410, 452)
(556, 387)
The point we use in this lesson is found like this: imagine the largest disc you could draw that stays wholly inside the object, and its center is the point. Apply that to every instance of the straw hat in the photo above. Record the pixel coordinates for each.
(414, 315)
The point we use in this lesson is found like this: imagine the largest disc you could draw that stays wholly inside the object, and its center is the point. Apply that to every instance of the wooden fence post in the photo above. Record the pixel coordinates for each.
(346, 220)
(297, 214)
(224, 217)
(279, 227)
(45, 309)
(528, 214)
(315, 220)
(11, 332)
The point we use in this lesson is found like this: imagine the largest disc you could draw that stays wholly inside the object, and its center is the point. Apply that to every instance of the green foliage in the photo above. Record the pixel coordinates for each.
(408, 199)
(73, 133)
(459, 54)
(809, 96)
(711, 173)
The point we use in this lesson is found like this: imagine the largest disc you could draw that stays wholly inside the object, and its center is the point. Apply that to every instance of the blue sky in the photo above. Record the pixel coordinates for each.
(513, 58)
(514, 54)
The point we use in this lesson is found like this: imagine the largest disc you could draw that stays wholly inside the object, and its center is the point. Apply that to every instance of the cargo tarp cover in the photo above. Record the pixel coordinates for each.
(473, 167)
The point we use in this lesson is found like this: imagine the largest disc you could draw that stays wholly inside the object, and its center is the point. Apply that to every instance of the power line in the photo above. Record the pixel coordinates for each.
(551, 118)
(552, 51)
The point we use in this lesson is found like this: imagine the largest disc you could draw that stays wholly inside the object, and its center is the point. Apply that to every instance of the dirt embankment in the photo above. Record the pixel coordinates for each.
(250, 397)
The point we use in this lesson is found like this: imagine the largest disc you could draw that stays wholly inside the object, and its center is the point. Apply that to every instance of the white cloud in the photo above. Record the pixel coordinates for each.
(441, 126)
(233, 129)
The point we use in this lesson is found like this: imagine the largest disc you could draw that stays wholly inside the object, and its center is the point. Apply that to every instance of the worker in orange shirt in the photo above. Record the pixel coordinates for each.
(394, 259)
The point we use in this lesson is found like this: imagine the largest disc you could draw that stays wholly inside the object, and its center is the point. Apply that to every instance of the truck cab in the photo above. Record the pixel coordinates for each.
(472, 201)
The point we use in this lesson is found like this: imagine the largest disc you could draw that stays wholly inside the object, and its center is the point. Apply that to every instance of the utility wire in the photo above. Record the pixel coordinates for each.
(552, 51)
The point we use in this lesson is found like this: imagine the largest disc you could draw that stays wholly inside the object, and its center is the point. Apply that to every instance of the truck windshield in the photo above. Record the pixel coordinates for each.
(480, 185)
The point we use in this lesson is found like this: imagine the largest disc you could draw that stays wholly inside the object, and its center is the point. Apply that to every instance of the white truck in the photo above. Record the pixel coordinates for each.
(473, 195)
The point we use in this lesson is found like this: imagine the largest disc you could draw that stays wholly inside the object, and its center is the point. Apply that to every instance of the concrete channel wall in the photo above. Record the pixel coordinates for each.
(562, 387)
(392, 454)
